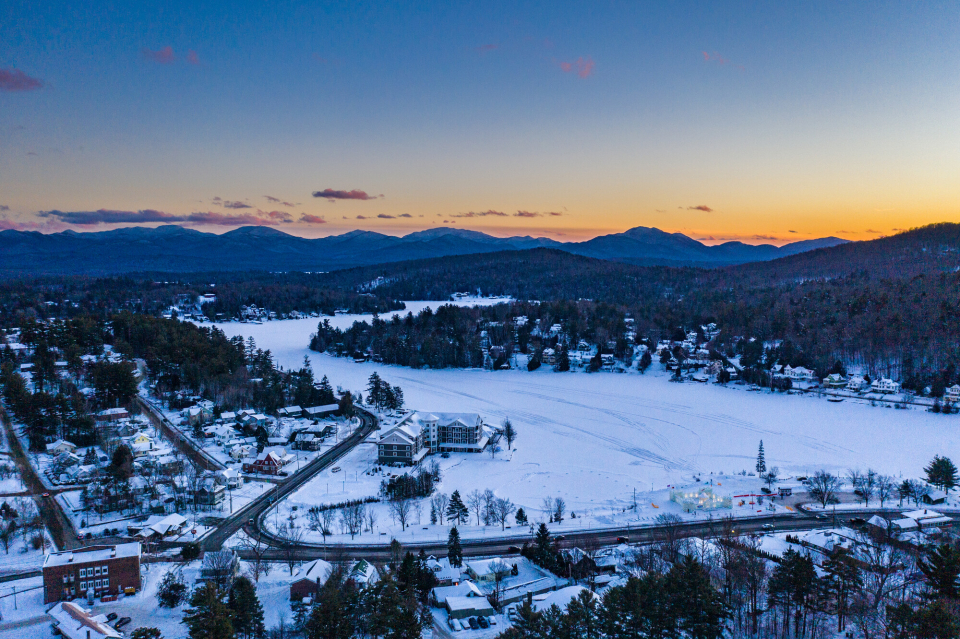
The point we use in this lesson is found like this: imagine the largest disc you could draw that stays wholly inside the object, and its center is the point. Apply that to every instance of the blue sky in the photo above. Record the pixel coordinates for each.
(785, 121)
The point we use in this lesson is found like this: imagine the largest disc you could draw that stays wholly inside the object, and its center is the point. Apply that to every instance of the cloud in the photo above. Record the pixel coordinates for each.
(872, 231)
(16, 80)
(583, 68)
(4, 207)
(279, 216)
(333, 195)
(192, 57)
(217, 199)
(277, 200)
(384, 216)
(312, 219)
(406, 215)
(106, 216)
(229, 219)
(163, 56)
(236, 205)
(791, 231)
(701, 207)
(479, 214)
(361, 217)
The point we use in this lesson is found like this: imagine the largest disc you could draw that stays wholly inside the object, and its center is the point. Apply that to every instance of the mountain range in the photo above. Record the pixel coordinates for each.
(176, 249)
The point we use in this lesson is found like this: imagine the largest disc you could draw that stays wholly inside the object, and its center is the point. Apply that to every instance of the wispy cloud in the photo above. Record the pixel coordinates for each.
(163, 56)
(700, 207)
(4, 207)
(277, 200)
(582, 67)
(279, 216)
(236, 204)
(312, 219)
(479, 214)
(791, 231)
(406, 215)
(16, 80)
(361, 217)
(384, 216)
(333, 195)
(537, 214)
(192, 57)
(229, 219)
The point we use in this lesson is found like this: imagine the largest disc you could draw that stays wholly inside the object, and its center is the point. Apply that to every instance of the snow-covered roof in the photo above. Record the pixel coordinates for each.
(317, 571)
(560, 598)
(463, 589)
(92, 553)
(478, 604)
(326, 408)
(76, 622)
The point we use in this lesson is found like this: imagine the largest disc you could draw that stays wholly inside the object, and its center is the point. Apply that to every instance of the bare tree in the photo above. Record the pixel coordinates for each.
(291, 537)
(257, 549)
(352, 517)
(475, 503)
(371, 519)
(488, 498)
(492, 449)
(669, 535)
(400, 509)
(509, 432)
(500, 572)
(440, 501)
(502, 509)
(885, 488)
(559, 507)
(771, 477)
(326, 522)
(864, 484)
(823, 487)
(547, 507)
(219, 566)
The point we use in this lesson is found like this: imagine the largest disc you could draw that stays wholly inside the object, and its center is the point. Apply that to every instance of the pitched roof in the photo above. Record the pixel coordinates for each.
(76, 622)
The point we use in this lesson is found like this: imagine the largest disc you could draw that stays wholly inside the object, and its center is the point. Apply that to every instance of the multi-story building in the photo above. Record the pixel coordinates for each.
(105, 570)
(419, 434)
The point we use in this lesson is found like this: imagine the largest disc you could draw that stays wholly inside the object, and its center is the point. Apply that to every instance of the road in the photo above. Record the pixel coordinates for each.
(255, 509)
(200, 458)
(59, 525)
(607, 537)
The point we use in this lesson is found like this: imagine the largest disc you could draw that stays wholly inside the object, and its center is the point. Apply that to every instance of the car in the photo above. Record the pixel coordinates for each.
(623, 540)
(559, 538)
(492, 620)
(821, 517)
(45, 495)
(452, 623)
(767, 526)
(335, 469)
(111, 616)
(122, 622)
(858, 521)
(445, 455)
(474, 625)
(483, 622)
(513, 549)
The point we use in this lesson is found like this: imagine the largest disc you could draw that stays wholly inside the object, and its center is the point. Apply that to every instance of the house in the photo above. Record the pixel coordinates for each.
(402, 444)
(112, 415)
(834, 380)
(464, 607)
(61, 446)
(223, 434)
(76, 622)
(269, 462)
(230, 477)
(952, 394)
(799, 373)
(934, 497)
(464, 589)
(307, 441)
(290, 411)
(856, 383)
(104, 570)
(363, 573)
(209, 492)
(228, 416)
(160, 527)
(316, 412)
(220, 566)
(444, 573)
(487, 570)
(927, 518)
(885, 385)
(309, 579)
(433, 433)
(193, 415)
(560, 598)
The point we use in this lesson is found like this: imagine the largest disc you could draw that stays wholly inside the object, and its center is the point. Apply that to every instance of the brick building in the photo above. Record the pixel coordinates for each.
(107, 570)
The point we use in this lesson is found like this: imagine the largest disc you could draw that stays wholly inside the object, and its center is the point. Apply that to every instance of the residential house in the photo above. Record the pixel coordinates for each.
(799, 373)
(952, 394)
(307, 441)
(73, 621)
(438, 596)
(290, 411)
(856, 383)
(487, 570)
(885, 385)
(230, 477)
(105, 570)
(210, 492)
(228, 416)
(221, 566)
(444, 573)
(112, 415)
(363, 573)
(269, 462)
(160, 527)
(560, 598)
(464, 607)
(61, 446)
(835, 380)
(317, 412)
(309, 579)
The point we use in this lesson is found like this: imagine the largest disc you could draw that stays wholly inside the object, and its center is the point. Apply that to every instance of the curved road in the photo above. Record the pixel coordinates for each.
(256, 508)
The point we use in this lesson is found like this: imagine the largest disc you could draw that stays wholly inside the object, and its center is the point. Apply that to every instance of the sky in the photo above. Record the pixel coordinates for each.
(760, 122)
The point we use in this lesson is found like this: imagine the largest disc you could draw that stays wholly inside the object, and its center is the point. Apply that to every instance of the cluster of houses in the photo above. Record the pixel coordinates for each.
(913, 528)
(418, 434)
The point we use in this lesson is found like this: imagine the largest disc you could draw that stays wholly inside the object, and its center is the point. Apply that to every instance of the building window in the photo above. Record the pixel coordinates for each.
(96, 571)
(83, 573)
(106, 583)
(83, 586)
(64, 579)
(105, 570)
(97, 585)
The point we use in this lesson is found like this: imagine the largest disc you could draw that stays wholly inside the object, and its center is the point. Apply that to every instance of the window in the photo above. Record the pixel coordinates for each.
(96, 571)
(97, 585)
(83, 586)
(106, 583)
(83, 573)
(104, 570)
(65, 580)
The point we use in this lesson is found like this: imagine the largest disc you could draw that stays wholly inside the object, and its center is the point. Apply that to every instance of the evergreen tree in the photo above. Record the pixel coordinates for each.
(146, 633)
(942, 473)
(454, 550)
(329, 618)
(375, 390)
(90, 457)
(521, 517)
(456, 509)
(172, 591)
(397, 403)
(941, 568)
(208, 617)
(645, 361)
(247, 613)
(563, 359)
(326, 395)
(842, 582)
(761, 461)
(699, 607)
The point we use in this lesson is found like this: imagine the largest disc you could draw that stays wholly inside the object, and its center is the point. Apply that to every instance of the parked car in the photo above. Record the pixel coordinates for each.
(858, 521)
(452, 623)
(767, 527)
(513, 549)
(123, 621)
(335, 469)
(623, 540)
(492, 620)
(111, 616)
(483, 622)
(473, 623)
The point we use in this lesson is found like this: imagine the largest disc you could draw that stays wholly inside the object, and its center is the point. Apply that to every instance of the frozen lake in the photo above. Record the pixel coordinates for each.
(594, 438)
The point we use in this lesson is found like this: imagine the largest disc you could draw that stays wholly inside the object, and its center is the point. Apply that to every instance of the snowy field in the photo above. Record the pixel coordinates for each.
(595, 438)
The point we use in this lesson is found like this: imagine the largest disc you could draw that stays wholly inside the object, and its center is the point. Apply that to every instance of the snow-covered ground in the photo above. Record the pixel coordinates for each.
(595, 438)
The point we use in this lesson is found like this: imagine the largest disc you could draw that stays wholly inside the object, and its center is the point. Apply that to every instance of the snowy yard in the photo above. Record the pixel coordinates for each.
(594, 439)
